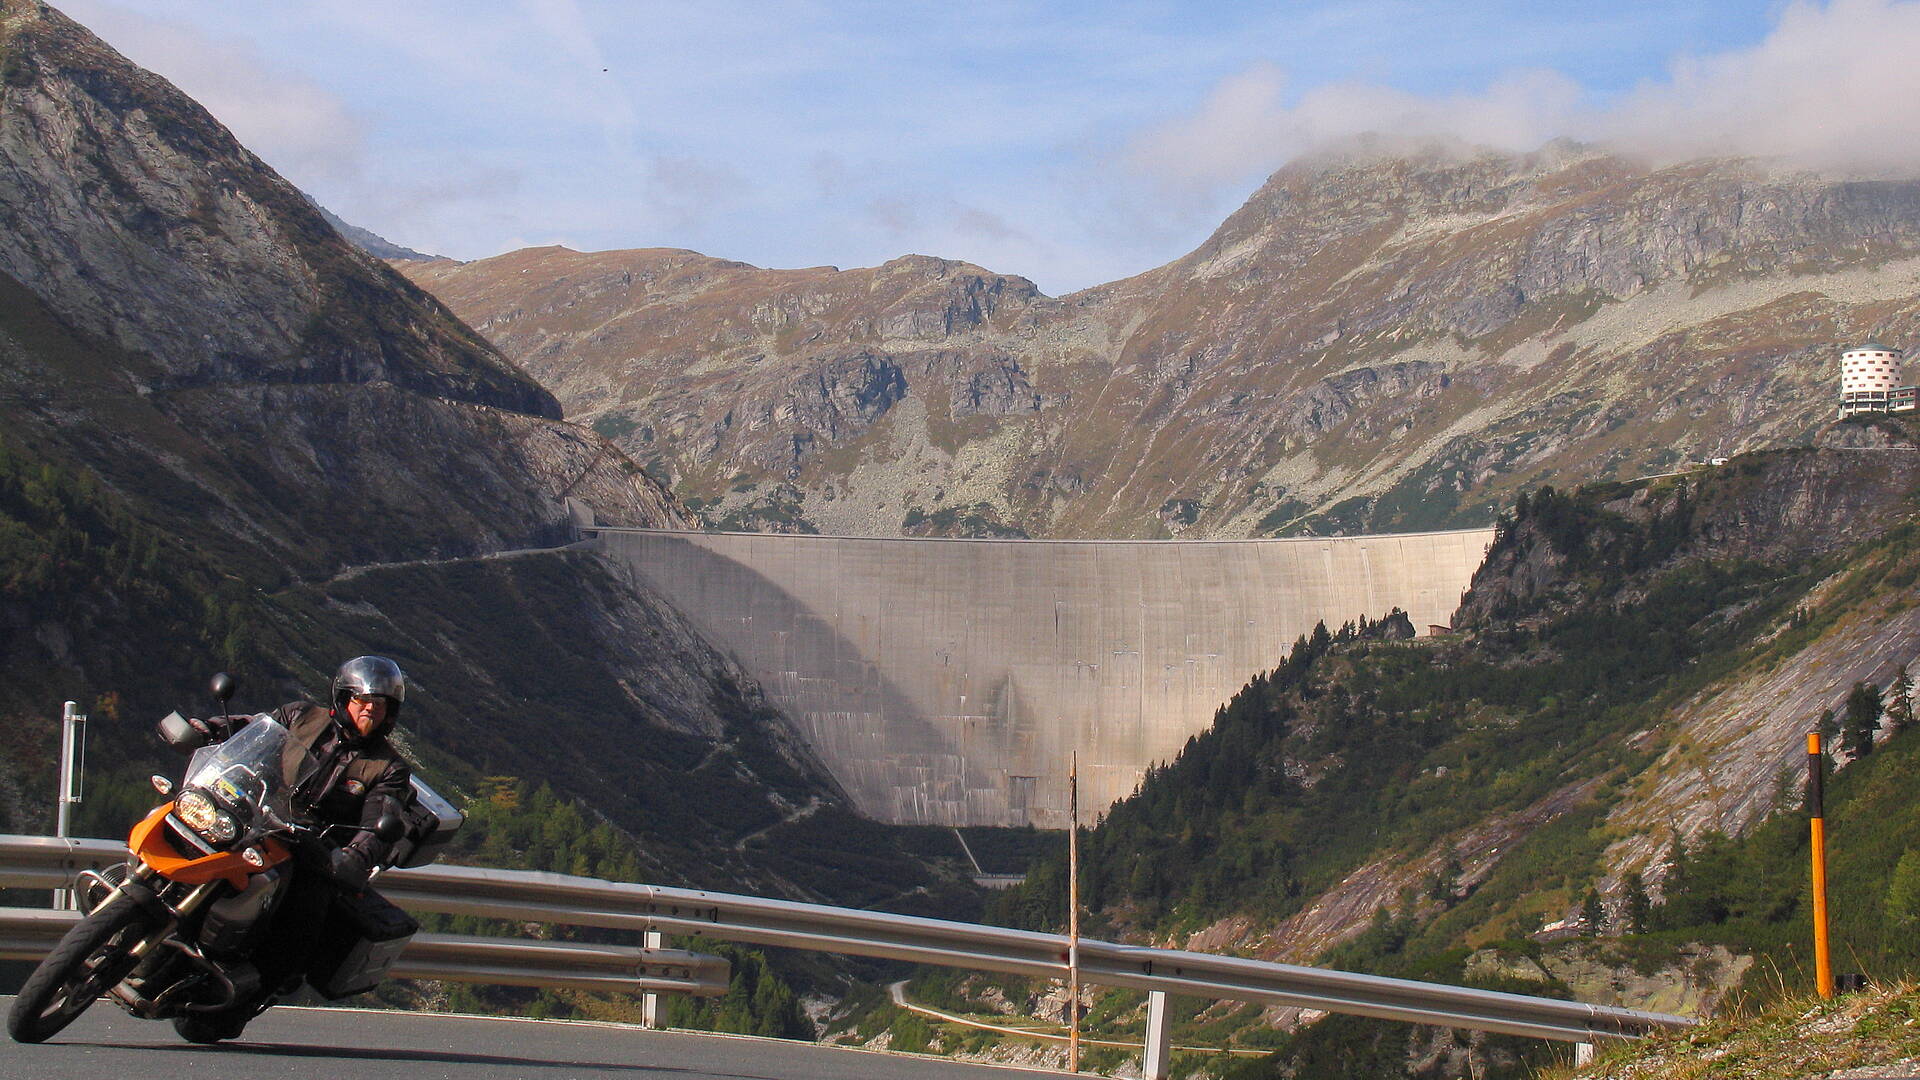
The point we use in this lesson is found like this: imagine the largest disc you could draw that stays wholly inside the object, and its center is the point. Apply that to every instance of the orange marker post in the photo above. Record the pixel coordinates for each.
(1817, 817)
(1073, 913)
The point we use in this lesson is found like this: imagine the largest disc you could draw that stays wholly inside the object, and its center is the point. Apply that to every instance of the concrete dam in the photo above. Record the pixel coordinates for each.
(946, 682)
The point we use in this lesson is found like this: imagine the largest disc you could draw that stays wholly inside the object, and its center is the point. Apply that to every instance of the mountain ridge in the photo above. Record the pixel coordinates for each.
(1390, 338)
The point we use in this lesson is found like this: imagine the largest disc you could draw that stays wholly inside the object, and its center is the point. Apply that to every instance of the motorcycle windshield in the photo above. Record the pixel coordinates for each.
(257, 769)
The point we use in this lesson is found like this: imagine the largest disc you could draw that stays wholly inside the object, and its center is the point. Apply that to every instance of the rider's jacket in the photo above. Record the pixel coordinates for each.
(358, 778)
(357, 774)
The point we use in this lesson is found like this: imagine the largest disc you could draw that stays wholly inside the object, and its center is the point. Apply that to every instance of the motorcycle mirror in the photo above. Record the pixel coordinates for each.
(176, 732)
(161, 784)
(223, 686)
(389, 828)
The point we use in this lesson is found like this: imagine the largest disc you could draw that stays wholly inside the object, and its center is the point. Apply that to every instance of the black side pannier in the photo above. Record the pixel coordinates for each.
(431, 824)
(364, 934)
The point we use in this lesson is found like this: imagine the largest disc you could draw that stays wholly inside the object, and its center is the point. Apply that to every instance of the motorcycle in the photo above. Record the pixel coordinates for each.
(173, 932)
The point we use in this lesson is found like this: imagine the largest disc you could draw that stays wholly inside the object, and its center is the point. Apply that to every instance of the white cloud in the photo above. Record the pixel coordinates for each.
(308, 132)
(590, 91)
(788, 132)
(686, 191)
(985, 225)
(1831, 86)
(1245, 129)
(293, 123)
(896, 217)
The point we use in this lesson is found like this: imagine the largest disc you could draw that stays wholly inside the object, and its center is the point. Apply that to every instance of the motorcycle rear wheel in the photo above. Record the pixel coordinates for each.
(89, 960)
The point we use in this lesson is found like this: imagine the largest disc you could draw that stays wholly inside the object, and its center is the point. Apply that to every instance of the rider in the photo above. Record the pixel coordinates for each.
(360, 777)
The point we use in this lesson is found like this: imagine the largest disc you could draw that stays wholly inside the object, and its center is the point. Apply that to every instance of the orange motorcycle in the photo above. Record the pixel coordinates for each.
(171, 933)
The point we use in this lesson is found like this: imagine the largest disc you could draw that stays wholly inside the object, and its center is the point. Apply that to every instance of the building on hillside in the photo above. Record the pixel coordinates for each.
(1870, 381)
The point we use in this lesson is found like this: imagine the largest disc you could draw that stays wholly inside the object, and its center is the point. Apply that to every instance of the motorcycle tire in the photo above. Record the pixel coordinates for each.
(88, 962)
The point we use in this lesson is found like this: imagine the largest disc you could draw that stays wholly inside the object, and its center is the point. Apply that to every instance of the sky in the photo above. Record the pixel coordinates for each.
(1072, 143)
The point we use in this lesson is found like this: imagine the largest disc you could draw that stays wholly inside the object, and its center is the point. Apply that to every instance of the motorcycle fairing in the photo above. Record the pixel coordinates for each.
(148, 842)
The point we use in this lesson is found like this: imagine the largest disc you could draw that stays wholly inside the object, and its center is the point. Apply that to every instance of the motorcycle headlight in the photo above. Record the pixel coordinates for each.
(199, 814)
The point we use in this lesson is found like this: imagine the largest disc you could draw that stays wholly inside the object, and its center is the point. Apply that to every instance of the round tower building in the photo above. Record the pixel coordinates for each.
(1869, 374)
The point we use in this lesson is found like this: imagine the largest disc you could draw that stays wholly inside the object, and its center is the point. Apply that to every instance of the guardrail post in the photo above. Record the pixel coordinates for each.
(73, 736)
(1582, 1055)
(650, 1001)
(1153, 1063)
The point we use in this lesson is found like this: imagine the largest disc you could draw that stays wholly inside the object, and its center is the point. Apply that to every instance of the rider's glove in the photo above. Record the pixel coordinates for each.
(350, 867)
(215, 728)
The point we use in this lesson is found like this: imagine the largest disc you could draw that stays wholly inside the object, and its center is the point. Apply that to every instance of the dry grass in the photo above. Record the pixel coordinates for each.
(1875, 1033)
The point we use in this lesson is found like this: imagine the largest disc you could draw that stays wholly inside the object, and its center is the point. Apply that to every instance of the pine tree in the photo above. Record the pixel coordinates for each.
(1903, 894)
(1900, 702)
(1593, 914)
(1446, 881)
(1862, 720)
(1638, 905)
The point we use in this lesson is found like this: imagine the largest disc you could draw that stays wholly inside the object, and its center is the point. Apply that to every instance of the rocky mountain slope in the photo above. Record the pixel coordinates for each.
(203, 296)
(1715, 750)
(1601, 749)
(370, 242)
(1388, 337)
(232, 439)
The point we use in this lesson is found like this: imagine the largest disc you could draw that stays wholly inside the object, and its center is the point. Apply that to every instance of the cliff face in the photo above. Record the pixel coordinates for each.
(754, 388)
(1390, 337)
(131, 212)
(1782, 508)
(1723, 747)
(184, 322)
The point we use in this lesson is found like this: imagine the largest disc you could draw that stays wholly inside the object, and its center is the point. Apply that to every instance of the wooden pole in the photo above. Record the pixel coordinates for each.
(1073, 913)
(1817, 818)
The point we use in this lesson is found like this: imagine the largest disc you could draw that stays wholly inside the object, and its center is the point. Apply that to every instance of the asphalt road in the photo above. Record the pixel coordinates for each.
(307, 1043)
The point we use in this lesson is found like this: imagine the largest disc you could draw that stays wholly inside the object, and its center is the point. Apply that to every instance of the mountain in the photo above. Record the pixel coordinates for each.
(371, 242)
(1391, 336)
(203, 296)
(233, 439)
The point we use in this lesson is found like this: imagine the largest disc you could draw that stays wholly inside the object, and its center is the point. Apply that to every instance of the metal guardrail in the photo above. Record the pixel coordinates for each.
(28, 933)
(589, 902)
(48, 862)
(557, 898)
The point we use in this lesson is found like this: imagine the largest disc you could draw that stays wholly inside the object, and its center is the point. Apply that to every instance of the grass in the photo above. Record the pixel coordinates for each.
(1800, 1036)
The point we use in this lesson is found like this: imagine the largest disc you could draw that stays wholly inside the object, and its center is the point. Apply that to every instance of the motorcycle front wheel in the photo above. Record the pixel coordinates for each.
(90, 959)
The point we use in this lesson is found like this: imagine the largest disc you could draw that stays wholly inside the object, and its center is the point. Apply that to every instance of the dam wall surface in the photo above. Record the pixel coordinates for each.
(947, 681)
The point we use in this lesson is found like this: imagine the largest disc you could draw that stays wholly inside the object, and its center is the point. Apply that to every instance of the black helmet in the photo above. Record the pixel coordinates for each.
(370, 675)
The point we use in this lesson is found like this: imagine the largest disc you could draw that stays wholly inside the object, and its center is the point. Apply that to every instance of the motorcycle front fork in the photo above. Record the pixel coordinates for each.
(181, 910)
(151, 952)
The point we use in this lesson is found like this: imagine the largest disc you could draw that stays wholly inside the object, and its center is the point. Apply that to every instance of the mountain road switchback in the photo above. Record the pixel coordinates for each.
(375, 1044)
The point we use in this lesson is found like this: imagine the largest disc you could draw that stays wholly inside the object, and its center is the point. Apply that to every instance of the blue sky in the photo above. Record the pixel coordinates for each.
(1073, 143)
